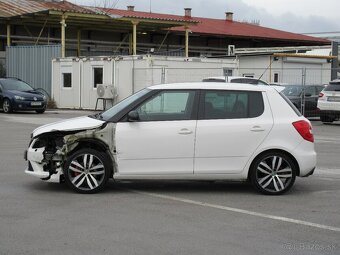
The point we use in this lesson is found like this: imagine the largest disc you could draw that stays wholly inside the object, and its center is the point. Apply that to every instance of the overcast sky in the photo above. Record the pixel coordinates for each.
(300, 16)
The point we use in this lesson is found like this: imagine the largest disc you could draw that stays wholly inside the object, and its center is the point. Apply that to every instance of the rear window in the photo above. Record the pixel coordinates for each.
(298, 113)
(332, 87)
(244, 80)
(214, 80)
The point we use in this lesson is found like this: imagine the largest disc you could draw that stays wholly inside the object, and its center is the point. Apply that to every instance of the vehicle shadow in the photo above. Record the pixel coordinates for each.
(183, 186)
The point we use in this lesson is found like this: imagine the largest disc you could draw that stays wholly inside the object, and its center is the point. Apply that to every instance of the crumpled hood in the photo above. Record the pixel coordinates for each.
(74, 124)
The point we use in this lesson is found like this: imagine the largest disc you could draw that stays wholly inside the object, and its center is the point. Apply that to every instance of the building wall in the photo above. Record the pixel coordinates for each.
(127, 75)
(290, 70)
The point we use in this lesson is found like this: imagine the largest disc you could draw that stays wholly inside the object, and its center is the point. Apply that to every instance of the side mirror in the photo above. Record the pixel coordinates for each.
(133, 116)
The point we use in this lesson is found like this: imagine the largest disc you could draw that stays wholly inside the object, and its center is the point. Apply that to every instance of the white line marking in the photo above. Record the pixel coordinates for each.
(232, 209)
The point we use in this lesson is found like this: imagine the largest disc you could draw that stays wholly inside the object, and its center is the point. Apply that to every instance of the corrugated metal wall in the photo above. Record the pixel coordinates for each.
(32, 64)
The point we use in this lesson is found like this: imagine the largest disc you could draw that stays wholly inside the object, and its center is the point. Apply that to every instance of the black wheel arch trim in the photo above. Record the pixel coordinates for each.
(275, 150)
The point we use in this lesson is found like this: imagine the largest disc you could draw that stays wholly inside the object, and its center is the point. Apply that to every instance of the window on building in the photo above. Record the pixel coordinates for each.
(227, 72)
(97, 76)
(67, 80)
(276, 77)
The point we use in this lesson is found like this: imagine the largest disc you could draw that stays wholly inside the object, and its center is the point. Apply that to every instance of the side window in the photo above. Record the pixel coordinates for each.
(167, 106)
(310, 90)
(259, 82)
(232, 104)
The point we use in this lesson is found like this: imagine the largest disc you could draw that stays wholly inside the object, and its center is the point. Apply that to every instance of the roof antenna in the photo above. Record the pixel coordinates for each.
(271, 62)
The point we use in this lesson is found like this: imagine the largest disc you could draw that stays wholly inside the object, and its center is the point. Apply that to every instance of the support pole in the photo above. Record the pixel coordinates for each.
(130, 44)
(63, 37)
(187, 42)
(78, 42)
(134, 37)
(8, 35)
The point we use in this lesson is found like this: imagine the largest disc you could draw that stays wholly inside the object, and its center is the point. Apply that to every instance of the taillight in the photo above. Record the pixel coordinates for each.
(321, 94)
(304, 129)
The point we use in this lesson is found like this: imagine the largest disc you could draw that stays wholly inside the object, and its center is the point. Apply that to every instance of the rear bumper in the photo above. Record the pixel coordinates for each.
(306, 157)
(330, 113)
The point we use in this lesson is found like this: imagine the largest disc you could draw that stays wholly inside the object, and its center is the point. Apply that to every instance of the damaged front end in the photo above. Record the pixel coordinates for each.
(48, 152)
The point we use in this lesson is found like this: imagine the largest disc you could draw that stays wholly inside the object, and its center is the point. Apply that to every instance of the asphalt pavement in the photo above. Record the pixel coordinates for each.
(164, 217)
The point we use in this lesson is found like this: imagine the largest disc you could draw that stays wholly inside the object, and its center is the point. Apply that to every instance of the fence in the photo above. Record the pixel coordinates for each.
(305, 83)
(33, 64)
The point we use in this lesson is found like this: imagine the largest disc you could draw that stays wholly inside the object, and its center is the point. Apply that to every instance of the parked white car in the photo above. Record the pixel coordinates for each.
(240, 79)
(329, 102)
(195, 131)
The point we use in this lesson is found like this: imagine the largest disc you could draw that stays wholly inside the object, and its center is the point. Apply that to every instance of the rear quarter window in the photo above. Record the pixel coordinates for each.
(298, 113)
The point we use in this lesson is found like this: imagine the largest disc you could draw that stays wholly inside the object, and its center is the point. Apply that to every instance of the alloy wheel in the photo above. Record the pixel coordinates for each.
(274, 174)
(6, 106)
(86, 172)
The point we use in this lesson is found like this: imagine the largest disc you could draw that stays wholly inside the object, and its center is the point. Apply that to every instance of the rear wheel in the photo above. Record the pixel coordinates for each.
(87, 171)
(326, 119)
(273, 173)
(6, 106)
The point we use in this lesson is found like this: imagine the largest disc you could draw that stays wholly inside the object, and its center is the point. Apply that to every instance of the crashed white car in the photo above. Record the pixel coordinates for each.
(195, 131)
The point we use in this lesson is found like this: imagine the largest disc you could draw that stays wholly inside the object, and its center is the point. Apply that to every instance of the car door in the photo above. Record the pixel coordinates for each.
(310, 98)
(161, 142)
(1, 96)
(231, 126)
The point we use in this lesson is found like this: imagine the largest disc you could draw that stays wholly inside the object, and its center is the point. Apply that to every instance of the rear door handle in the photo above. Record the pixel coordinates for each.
(185, 131)
(257, 129)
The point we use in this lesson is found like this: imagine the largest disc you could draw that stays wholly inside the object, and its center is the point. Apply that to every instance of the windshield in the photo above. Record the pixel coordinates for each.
(292, 91)
(12, 84)
(122, 104)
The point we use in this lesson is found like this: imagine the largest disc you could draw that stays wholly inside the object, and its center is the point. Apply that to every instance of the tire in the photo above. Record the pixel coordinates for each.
(81, 178)
(6, 106)
(40, 111)
(326, 119)
(273, 173)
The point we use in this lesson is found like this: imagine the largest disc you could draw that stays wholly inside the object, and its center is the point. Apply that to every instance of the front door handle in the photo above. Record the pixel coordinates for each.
(185, 131)
(257, 129)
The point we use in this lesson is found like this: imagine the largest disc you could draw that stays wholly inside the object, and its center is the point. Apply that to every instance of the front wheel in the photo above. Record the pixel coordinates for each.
(273, 173)
(6, 106)
(87, 171)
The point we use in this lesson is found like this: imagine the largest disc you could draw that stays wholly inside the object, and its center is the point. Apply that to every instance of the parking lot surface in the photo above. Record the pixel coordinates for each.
(165, 217)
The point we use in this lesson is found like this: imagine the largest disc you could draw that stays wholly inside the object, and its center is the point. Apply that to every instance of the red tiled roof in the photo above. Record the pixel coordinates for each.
(214, 27)
(240, 29)
(148, 15)
(219, 27)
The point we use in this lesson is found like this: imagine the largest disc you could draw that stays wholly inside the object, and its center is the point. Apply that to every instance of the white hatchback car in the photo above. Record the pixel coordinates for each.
(195, 131)
(329, 102)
